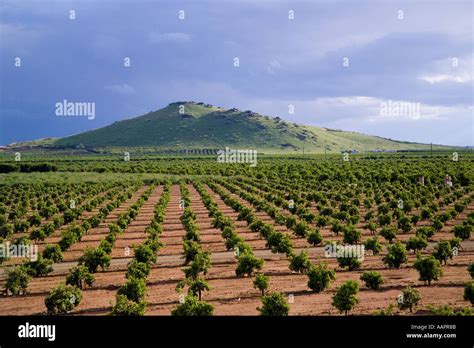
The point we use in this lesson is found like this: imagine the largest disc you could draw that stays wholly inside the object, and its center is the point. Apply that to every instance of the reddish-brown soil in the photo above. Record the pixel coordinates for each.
(231, 295)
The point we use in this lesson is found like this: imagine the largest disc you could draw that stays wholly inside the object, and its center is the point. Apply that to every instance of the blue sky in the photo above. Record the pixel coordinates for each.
(401, 51)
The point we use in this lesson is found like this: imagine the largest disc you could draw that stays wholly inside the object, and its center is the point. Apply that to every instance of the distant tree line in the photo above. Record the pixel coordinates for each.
(27, 167)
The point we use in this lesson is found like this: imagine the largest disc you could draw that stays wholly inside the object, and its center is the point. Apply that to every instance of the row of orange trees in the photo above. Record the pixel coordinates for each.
(130, 298)
(68, 295)
(198, 262)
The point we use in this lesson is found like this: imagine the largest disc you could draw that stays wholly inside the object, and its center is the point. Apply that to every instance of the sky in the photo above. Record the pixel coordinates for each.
(397, 69)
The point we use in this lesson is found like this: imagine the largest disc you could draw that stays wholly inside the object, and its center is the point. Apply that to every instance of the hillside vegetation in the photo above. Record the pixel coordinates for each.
(193, 126)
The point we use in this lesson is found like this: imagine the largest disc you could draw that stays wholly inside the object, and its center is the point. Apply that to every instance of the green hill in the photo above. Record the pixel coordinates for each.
(192, 126)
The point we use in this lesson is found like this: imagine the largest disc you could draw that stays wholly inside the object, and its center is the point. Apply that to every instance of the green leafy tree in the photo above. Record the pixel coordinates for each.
(247, 264)
(300, 263)
(437, 225)
(200, 264)
(385, 219)
(134, 289)
(48, 228)
(69, 216)
(462, 231)
(38, 235)
(197, 286)
(144, 253)
(153, 242)
(469, 292)
(190, 250)
(337, 227)
(274, 305)
(94, 221)
(373, 244)
(106, 245)
(227, 232)
(416, 243)
(53, 253)
(40, 267)
(301, 229)
(389, 233)
(352, 263)
(372, 279)
(193, 307)
(415, 219)
(470, 269)
(34, 219)
(322, 221)
(405, 224)
(73, 234)
(429, 269)
(123, 221)
(137, 269)
(459, 207)
(125, 307)
(279, 243)
(443, 251)
(20, 226)
(351, 235)
(80, 276)
(244, 213)
(455, 243)
(371, 226)
(383, 208)
(314, 237)
(192, 232)
(22, 241)
(426, 232)
(408, 299)
(396, 256)
(233, 241)
(17, 281)
(93, 258)
(63, 299)
(319, 277)
(408, 206)
(47, 212)
(345, 297)
(426, 214)
(261, 283)
(86, 225)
